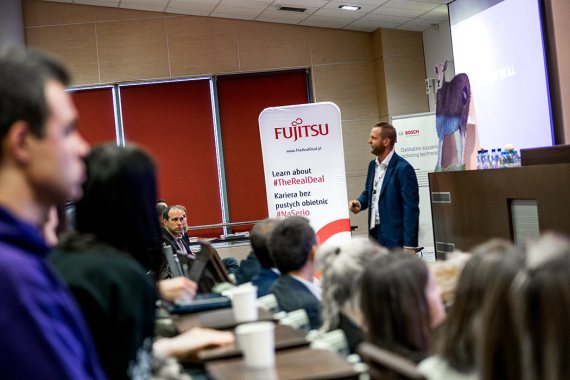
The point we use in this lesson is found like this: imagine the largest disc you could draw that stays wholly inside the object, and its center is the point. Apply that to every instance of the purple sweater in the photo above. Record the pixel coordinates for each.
(42, 333)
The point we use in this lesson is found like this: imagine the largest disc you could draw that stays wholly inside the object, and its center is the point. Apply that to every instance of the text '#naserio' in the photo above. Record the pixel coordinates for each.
(298, 181)
(301, 131)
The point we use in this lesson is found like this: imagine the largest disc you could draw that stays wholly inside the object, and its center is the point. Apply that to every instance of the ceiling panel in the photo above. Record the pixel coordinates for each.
(416, 15)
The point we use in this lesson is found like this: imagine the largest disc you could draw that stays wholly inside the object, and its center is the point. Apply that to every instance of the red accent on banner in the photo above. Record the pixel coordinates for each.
(333, 228)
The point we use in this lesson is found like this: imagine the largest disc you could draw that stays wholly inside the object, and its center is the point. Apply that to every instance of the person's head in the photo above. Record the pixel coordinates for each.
(400, 303)
(382, 139)
(118, 206)
(184, 218)
(259, 237)
(341, 268)
(292, 244)
(498, 346)
(174, 220)
(38, 135)
(160, 207)
(455, 341)
(541, 298)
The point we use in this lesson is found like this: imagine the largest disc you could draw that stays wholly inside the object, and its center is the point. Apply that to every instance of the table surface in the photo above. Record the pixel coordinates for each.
(302, 363)
(222, 319)
(286, 337)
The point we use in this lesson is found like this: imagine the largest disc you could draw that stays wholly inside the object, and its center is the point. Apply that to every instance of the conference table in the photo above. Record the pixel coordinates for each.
(222, 319)
(301, 363)
(286, 337)
(293, 358)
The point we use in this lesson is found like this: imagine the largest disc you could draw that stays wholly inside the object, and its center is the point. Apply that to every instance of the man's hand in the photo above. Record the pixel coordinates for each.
(354, 206)
(179, 290)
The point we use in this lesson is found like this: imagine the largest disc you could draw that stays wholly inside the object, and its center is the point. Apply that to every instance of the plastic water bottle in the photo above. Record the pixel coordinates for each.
(505, 159)
(500, 158)
(516, 159)
(486, 160)
(494, 159)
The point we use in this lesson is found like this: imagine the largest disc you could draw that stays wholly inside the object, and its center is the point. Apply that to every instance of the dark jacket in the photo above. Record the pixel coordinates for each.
(398, 203)
(264, 279)
(118, 301)
(293, 295)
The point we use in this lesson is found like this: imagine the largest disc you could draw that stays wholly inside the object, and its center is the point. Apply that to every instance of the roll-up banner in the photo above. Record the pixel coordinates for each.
(418, 143)
(303, 160)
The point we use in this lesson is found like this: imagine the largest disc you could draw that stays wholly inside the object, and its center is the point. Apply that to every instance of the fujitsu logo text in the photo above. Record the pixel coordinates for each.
(297, 130)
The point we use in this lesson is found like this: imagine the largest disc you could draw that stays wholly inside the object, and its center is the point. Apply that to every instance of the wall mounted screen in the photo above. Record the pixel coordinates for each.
(499, 45)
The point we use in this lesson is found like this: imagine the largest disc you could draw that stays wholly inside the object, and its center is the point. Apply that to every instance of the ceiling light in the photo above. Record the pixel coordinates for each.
(350, 7)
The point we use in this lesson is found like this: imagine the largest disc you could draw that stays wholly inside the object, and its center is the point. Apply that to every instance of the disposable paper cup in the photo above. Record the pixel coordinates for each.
(244, 303)
(256, 341)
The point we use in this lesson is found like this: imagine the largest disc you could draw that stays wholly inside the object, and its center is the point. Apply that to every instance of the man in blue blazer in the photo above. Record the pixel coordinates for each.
(292, 246)
(391, 193)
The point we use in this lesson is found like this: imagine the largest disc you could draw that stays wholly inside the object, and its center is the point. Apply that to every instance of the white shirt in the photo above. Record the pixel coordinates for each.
(377, 186)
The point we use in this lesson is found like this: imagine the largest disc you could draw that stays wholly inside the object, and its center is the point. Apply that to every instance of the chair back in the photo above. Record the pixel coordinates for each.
(174, 267)
(268, 302)
(207, 269)
(386, 365)
(297, 319)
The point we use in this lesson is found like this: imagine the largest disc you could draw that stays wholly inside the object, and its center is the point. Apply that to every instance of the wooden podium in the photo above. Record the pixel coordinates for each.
(471, 207)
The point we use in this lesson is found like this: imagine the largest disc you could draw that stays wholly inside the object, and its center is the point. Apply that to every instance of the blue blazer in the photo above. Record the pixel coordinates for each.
(293, 295)
(398, 203)
(264, 279)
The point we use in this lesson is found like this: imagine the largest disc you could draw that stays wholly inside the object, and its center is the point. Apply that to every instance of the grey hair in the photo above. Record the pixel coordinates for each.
(341, 266)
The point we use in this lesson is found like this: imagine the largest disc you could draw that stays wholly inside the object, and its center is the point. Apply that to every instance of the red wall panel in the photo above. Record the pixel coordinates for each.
(96, 114)
(173, 121)
(241, 99)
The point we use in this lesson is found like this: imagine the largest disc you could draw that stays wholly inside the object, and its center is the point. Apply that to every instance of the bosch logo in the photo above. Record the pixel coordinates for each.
(412, 132)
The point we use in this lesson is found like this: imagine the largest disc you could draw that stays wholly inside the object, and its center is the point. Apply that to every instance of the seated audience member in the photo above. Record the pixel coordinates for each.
(498, 348)
(174, 229)
(400, 304)
(184, 234)
(106, 262)
(541, 298)
(341, 268)
(455, 340)
(43, 334)
(292, 246)
(247, 268)
(267, 274)
(446, 274)
(160, 207)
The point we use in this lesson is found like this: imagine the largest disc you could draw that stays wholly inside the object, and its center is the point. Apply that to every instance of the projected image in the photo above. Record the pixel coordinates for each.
(452, 111)
(499, 45)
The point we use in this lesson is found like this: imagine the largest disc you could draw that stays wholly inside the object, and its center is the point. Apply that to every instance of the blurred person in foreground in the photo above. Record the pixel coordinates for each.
(455, 342)
(110, 265)
(401, 304)
(342, 267)
(44, 335)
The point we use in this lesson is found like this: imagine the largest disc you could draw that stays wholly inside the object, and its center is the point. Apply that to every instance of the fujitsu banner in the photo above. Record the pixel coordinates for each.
(303, 159)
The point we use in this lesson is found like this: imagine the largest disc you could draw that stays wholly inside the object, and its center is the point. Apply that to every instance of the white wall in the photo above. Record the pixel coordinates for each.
(437, 48)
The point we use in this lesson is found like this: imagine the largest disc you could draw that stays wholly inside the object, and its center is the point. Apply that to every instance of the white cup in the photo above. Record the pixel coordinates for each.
(244, 303)
(256, 341)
